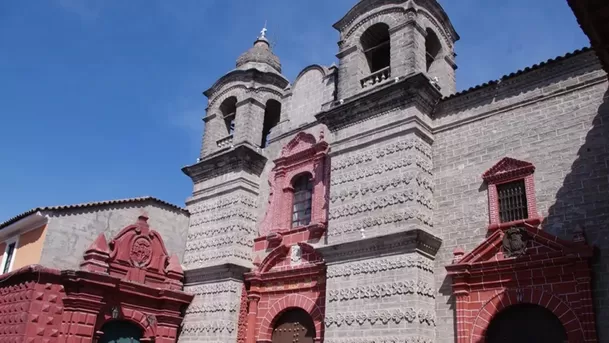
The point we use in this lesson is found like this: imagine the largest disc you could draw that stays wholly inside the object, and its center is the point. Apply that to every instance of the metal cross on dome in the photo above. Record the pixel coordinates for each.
(263, 31)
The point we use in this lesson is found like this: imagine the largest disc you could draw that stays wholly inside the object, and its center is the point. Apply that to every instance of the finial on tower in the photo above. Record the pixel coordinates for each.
(263, 31)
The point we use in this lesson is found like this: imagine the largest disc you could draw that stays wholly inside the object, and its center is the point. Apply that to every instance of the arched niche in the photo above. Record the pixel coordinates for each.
(525, 323)
(120, 331)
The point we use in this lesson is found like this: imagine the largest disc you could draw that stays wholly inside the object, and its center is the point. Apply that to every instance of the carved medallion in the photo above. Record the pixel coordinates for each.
(515, 242)
(295, 254)
(141, 252)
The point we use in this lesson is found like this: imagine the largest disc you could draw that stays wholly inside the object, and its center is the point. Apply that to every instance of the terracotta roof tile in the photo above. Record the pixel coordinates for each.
(520, 72)
(92, 204)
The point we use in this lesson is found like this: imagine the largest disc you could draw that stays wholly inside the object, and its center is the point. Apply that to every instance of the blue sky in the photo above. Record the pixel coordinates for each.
(101, 99)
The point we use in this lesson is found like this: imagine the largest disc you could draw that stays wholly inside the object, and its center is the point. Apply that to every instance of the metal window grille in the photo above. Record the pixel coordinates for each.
(512, 201)
(301, 210)
(10, 251)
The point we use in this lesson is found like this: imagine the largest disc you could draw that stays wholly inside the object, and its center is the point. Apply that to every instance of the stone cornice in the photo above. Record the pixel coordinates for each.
(401, 242)
(223, 272)
(240, 157)
(415, 89)
(250, 75)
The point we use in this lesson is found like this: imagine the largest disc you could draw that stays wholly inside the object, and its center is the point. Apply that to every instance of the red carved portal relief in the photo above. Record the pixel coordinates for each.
(290, 277)
(523, 265)
(124, 280)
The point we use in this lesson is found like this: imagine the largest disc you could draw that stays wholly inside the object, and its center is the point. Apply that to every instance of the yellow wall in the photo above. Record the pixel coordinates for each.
(29, 248)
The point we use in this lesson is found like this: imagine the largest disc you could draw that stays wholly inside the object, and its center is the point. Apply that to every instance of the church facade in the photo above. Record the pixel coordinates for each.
(364, 202)
(370, 202)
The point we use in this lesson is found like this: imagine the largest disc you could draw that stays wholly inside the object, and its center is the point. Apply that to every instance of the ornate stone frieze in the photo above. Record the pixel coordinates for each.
(215, 327)
(205, 232)
(223, 216)
(390, 218)
(411, 339)
(340, 163)
(207, 308)
(214, 289)
(205, 256)
(381, 291)
(381, 203)
(381, 265)
(382, 185)
(359, 174)
(221, 241)
(207, 206)
(383, 317)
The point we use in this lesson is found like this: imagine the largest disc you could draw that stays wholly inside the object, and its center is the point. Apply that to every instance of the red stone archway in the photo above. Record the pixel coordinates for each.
(279, 284)
(545, 271)
(507, 298)
(284, 304)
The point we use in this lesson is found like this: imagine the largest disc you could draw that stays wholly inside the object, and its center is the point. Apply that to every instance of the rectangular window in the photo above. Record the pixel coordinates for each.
(9, 254)
(512, 201)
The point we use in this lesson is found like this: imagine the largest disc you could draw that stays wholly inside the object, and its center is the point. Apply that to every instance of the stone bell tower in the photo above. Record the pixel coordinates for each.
(244, 105)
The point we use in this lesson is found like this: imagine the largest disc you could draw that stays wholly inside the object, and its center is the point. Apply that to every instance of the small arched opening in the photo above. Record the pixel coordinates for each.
(228, 108)
(526, 323)
(294, 326)
(303, 200)
(272, 115)
(376, 46)
(433, 47)
(120, 331)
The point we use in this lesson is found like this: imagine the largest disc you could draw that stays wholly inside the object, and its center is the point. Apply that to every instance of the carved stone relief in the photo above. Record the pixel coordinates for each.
(382, 202)
(381, 291)
(380, 265)
(222, 203)
(242, 240)
(370, 155)
(383, 317)
(362, 173)
(411, 339)
(200, 258)
(382, 185)
(206, 232)
(207, 308)
(214, 289)
(370, 222)
(216, 327)
(223, 216)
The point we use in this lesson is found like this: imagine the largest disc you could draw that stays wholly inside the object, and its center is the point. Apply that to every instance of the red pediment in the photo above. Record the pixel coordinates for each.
(285, 257)
(138, 254)
(508, 168)
(518, 246)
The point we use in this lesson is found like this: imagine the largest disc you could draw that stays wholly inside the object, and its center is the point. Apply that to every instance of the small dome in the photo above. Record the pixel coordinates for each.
(259, 57)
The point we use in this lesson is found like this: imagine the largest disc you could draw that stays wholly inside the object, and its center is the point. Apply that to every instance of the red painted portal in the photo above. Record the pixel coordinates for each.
(289, 273)
(523, 265)
(132, 278)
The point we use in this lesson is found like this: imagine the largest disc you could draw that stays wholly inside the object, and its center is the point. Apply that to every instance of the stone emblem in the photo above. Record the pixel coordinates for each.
(295, 254)
(141, 252)
(515, 242)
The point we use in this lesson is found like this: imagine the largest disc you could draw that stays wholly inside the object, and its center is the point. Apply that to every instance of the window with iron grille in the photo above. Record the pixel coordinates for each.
(512, 201)
(303, 191)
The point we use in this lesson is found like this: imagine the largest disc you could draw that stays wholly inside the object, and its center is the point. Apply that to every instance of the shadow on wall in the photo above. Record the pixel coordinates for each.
(583, 200)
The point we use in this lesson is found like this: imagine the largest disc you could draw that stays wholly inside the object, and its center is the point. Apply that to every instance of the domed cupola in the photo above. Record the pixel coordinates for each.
(260, 56)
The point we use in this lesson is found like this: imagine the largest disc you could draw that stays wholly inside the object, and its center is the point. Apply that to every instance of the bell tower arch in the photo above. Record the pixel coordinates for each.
(381, 41)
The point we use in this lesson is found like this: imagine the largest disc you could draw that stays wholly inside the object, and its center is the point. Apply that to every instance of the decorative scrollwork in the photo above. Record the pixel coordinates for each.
(383, 317)
(381, 291)
(223, 216)
(400, 339)
(379, 265)
(214, 289)
(242, 240)
(247, 201)
(370, 222)
(381, 203)
(423, 163)
(212, 308)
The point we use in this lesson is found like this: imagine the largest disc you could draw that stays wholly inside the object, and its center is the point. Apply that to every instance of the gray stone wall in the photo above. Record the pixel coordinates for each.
(71, 232)
(552, 117)
(214, 312)
(222, 229)
(380, 188)
(379, 299)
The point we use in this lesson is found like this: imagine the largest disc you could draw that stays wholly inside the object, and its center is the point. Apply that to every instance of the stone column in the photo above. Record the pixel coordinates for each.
(251, 317)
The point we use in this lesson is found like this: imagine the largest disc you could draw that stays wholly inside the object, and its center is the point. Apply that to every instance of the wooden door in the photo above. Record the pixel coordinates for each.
(294, 326)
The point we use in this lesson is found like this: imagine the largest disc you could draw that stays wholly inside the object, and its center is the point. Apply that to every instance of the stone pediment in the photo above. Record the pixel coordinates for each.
(508, 168)
(508, 247)
(137, 254)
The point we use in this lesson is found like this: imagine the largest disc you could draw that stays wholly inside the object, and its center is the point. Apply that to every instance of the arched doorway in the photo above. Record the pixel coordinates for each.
(294, 326)
(526, 323)
(120, 331)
